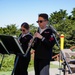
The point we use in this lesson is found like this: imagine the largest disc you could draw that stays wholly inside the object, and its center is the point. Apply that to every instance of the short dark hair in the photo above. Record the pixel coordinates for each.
(25, 25)
(44, 15)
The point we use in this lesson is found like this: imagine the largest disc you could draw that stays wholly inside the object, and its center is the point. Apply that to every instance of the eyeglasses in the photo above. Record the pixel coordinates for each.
(22, 30)
(40, 21)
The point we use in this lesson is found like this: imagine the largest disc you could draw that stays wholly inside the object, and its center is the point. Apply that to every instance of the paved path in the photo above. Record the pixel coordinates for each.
(53, 71)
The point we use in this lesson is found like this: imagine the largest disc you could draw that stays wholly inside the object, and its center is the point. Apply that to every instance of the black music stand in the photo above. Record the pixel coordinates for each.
(13, 47)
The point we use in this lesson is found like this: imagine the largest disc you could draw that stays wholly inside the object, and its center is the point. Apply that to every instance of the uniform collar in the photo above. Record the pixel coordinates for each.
(23, 35)
(42, 30)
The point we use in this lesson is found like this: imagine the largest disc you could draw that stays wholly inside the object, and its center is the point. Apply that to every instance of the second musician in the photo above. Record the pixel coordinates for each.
(24, 40)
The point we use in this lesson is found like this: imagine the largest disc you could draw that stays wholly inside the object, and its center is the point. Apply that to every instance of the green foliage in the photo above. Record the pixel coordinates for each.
(72, 57)
(56, 17)
(14, 31)
(8, 62)
(64, 24)
(10, 30)
(33, 29)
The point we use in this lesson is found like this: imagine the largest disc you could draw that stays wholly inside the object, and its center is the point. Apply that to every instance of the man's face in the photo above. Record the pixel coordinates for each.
(42, 22)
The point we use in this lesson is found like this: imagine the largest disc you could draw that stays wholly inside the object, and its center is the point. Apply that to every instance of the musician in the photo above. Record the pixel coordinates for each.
(24, 39)
(43, 44)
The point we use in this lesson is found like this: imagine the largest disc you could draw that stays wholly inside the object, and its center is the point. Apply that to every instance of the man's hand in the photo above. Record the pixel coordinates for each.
(38, 35)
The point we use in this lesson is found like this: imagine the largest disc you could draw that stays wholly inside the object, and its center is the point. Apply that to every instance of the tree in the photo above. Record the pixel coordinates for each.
(64, 25)
(10, 30)
(57, 17)
(73, 14)
(1, 30)
(33, 29)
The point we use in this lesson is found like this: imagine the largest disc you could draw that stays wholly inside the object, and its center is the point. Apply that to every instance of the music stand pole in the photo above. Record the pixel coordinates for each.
(1, 61)
(15, 65)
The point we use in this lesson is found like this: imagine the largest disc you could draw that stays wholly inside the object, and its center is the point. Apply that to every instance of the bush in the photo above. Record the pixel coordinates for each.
(8, 62)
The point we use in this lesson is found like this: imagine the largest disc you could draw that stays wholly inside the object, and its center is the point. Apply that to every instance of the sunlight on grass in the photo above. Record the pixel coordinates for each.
(5, 73)
(29, 69)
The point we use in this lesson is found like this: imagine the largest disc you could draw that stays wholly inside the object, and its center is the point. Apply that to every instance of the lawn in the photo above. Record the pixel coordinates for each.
(8, 62)
(29, 69)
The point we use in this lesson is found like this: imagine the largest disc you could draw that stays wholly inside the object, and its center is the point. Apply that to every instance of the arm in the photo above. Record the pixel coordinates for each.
(47, 41)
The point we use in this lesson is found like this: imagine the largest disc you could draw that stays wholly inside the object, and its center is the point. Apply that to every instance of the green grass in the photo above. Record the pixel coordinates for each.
(8, 62)
(29, 69)
(54, 66)
(5, 73)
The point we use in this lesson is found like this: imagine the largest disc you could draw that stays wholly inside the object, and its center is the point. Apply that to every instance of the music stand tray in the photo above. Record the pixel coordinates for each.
(12, 45)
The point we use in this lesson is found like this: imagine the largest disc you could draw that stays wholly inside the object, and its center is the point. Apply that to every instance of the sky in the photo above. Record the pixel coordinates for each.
(19, 11)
